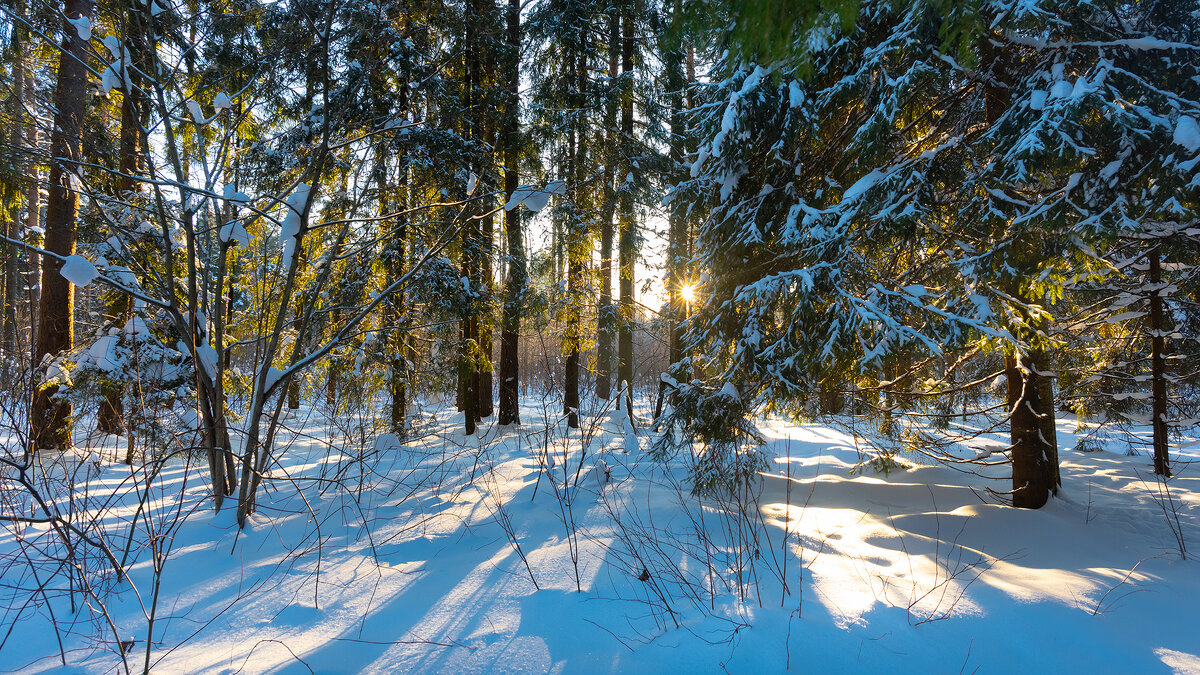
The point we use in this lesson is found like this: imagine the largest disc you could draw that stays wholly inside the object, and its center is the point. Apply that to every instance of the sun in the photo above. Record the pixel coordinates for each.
(688, 293)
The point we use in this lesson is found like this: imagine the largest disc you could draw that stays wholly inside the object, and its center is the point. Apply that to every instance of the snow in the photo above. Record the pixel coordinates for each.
(1061, 89)
(194, 108)
(230, 193)
(221, 102)
(795, 94)
(235, 233)
(103, 354)
(274, 375)
(535, 199)
(208, 359)
(861, 186)
(409, 566)
(136, 326)
(1187, 133)
(78, 270)
(83, 27)
(289, 231)
(113, 45)
(111, 79)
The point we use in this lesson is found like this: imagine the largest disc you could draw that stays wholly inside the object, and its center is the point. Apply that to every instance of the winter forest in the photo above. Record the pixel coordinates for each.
(599, 336)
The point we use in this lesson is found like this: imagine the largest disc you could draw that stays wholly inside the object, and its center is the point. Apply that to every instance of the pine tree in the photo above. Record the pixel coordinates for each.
(50, 418)
(516, 275)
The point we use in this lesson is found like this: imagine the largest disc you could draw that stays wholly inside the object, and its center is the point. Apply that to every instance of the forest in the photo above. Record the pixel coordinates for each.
(599, 335)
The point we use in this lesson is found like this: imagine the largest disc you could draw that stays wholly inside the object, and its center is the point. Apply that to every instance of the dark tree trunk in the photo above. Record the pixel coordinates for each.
(396, 325)
(487, 171)
(1047, 417)
(1033, 468)
(485, 327)
(468, 373)
(606, 314)
(51, 418)
(11, 220)
(677, 225)
(576, 230)
(1030, 395)
(111, 417)
(515, 285)
(627, 232)
(1158, 370)
(33, 190)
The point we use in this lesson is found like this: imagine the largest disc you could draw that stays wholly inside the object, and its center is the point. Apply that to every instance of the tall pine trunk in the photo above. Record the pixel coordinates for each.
(11, 222)
(468, 371)
(627, 234)
(515, 284)
(1033, 471)
(33, 186)
(677, 225)
(33, 209)
(1034, 454)
(394, 321)
(50, 417)
(606, 316)
(576, 229)
(1158, 370)
(110, 418)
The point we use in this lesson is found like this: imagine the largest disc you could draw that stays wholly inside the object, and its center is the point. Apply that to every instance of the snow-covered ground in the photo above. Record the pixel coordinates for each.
(368, 555)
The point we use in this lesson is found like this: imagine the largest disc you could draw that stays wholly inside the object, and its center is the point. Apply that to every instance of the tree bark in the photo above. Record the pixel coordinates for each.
(12, 219)
(1033, 468)
(33, 210)
(576, 232)
(1158, 369)
(111, 416)
(606, 315)
(50, 417)
(33, 189)
(394, 263)
(515, 285)
(627, 232)
(468, 377)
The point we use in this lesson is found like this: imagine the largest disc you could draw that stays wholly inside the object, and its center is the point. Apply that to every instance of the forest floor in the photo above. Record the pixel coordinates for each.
(369, 555)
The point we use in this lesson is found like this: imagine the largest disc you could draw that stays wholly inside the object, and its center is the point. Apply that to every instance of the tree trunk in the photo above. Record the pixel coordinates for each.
(677, 228)
(51, 418)
(487, 235)
(576, 230)
(1030, 399)
(606, 315)
(627, 232)
(33, 189)
(396, 330)
(1047, 416)
(515, 285)
(1033, 468)
(1158, 370)
(468, 376)
(111, 417)
(33, 210)
(11, 221)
